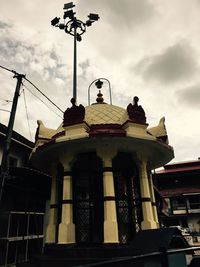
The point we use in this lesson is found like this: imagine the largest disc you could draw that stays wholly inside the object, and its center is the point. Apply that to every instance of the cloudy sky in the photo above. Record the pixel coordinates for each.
(148, 48)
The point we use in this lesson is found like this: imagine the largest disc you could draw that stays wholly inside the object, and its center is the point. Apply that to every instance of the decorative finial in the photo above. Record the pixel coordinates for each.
(99, 98)
(135, 100)
(136, 112)
(74, 115)
(73, 101)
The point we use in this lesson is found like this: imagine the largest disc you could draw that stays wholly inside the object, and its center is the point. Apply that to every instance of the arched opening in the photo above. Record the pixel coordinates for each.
(127, 193)
(87, 175)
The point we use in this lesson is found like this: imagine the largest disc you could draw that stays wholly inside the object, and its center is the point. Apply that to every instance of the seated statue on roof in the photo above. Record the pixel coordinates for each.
(74, 115)
(136, 113)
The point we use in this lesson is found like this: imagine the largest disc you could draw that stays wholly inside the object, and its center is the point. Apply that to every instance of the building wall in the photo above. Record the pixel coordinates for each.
(19, 151)
(179, 184)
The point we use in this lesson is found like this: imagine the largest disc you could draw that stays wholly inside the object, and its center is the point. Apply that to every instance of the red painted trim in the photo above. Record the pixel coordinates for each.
(106, 130)
(109, 198)
(145, 199)
(58, 135)
(67, 201)
(179, 191)
(54, 206)
(67, 173)
(178, 169)
(46, 144)
(162, 138)
(107, 169)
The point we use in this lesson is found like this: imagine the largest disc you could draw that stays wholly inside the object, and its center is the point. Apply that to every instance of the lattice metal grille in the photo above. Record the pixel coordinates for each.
(129, 213)
(88, 199)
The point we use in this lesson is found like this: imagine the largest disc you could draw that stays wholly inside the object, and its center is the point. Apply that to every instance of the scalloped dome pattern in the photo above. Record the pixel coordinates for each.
(105, 114)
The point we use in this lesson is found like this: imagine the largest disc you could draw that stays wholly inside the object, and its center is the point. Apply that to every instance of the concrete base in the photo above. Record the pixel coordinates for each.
(66, 233)
(110, 232)
(51, 233)
(148, 225)
(144, 243)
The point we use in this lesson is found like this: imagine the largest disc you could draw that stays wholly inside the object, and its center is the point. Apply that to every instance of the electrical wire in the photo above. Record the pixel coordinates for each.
(44, 94)
(6, 100)
(4, 110)
(27, 117)
(42, 101)
(13, 71)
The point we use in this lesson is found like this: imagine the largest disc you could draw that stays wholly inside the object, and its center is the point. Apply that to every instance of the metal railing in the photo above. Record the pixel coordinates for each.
(161, 257)
(22, 238)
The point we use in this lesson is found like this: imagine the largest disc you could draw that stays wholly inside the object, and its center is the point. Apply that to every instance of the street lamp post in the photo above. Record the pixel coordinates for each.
(98, 83)
(76, 28)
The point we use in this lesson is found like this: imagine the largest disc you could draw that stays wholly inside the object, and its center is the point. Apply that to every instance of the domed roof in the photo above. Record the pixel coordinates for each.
(105, 114)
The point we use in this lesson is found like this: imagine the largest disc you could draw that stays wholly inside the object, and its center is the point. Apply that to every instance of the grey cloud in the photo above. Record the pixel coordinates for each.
(28, 57)
(131, 12)
(176, 63)
(189, 96)
(123, 13)
(43, 67)
(84, 66)
(4, 25)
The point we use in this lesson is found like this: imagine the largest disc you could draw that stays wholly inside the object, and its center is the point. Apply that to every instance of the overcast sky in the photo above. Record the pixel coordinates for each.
(148, 48)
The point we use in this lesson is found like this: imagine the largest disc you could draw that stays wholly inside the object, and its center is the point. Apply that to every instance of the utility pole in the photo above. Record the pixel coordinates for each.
(75, 28)
(6, 149)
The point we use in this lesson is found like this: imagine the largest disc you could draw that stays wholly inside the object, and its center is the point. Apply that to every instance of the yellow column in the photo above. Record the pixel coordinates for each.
(110, 216)
(66, 232)
(148, 218)
(153, 202)
(52, 224)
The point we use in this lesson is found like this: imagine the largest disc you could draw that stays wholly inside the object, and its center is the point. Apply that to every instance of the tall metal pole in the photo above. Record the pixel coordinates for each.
(6, 150)
(75, 64)
(76, 28)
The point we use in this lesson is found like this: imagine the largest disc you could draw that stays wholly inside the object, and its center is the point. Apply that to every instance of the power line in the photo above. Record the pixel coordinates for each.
(13, 71)
(42, 101)
(44, 94)
(6, 100)
(4, 110)
(27, 114)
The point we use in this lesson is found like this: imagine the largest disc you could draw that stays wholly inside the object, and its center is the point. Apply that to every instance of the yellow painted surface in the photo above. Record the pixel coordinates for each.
(105, 114)
(147, 210)
(106, 150)
(159, 130)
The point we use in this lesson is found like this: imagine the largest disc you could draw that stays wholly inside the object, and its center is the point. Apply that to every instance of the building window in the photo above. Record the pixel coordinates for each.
(178, 203)
(194, 202)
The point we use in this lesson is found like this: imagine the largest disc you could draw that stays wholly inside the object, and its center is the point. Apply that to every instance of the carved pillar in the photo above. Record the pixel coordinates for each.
(148, 217)
(110, 216)
(153, 202)
(52, 224)
(66, 232)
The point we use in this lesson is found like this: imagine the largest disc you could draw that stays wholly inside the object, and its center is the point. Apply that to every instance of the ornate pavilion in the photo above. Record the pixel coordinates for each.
(100, 159)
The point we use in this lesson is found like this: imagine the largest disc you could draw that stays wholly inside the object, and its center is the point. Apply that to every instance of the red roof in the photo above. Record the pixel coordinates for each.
(179, 191)
(179, 169)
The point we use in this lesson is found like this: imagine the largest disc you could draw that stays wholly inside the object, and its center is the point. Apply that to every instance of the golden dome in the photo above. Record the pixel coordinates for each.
(105, 114)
